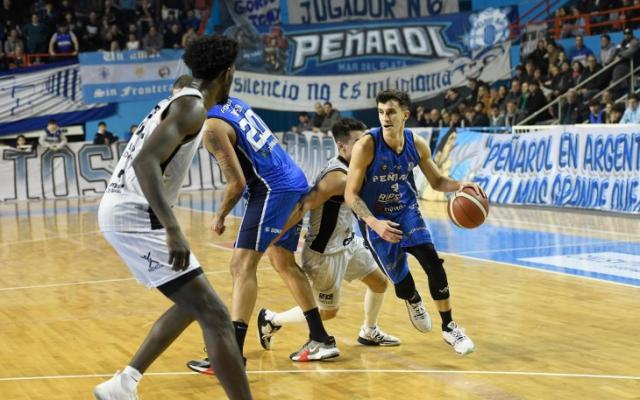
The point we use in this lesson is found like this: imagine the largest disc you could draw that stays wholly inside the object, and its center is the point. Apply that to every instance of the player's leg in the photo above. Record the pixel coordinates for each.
(432, 264)
(320, 345)
(244, 264)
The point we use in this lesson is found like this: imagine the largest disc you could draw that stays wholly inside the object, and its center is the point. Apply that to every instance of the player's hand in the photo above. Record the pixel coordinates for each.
(475, 187)
(218, 225)
(179, 252)
(388, 230)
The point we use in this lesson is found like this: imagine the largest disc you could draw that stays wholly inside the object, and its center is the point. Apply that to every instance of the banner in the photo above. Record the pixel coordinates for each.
(581, 166)
(84, 169)
(362, 46)
(356, 92)
(320, 11)
(29, 99)
(129, 75)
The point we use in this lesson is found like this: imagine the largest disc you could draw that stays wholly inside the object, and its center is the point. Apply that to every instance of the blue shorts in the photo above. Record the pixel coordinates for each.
(392, 257)
(264, 219)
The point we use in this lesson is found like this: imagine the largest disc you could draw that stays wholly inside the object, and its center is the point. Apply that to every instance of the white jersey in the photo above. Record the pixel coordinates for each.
(330, 226)
(123, 207)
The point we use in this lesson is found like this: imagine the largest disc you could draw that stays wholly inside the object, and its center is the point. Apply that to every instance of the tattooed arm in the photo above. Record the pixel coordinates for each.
(218, 136)
(361, 157)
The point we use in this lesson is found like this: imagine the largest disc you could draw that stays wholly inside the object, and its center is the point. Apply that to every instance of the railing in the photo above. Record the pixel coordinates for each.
(537, 11)
(36, 58)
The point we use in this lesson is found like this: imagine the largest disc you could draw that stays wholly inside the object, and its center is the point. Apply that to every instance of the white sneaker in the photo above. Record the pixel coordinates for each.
(376, 337)
(457, 339)
(114, 389)
(419, 316)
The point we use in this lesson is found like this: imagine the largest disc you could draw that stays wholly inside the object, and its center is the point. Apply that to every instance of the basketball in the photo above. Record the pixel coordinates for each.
(467, 209)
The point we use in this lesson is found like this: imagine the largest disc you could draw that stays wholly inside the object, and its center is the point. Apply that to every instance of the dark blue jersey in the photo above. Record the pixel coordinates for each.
(266, 165)
(389, 188)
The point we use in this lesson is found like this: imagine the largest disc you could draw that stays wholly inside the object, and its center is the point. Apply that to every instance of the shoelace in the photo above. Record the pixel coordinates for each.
(419, 310)
(458, 334)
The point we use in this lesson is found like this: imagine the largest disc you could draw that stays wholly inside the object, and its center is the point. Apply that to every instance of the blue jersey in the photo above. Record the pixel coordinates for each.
(389, 188)
(267, 167)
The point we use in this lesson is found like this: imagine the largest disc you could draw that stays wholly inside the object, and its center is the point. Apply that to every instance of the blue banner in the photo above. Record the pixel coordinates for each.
(128, 75)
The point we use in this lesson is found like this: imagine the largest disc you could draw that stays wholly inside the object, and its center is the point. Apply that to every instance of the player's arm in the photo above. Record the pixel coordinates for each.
(436, 179)
(332, 184)
(361, 158)
(217, 141)
(184, 118)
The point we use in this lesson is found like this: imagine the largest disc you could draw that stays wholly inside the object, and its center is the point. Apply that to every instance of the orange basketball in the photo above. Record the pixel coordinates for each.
(468, 209)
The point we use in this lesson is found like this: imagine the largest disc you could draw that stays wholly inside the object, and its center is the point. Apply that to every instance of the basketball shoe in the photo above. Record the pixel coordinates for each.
(457, 339)
(204, 366)
(419, 316)
(115, 389)
(316, 351)
(375, 337)
(266, 328)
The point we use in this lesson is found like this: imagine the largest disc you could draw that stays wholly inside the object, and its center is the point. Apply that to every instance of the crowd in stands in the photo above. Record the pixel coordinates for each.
(57, 29)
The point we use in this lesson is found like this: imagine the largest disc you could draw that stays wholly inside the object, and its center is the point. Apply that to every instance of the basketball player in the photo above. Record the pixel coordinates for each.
(381, 191)
(250, 156)
(135, 217)
(331, 253)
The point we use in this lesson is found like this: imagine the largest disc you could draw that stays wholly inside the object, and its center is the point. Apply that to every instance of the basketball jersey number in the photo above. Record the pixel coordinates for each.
(255, 130)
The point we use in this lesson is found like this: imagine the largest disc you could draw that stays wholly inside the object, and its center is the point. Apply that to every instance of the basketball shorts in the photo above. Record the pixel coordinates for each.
(147, 256)
(327, 271)
(264, 219)
(392, 257)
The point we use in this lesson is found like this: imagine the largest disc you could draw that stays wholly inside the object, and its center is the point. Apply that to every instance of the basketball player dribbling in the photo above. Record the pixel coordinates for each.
(250, 157)
(135, 217)
(331, 252)
(381, 192)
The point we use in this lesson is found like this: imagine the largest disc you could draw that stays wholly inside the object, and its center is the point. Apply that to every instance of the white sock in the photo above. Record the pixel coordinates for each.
(372, 305)
(131, 377)
(292, 316)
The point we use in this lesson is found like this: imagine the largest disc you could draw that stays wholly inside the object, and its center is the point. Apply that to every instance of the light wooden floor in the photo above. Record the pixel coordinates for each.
(70, 315)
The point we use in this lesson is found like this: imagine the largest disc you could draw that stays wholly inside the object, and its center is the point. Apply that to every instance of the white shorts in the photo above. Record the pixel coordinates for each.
(146, 254)
(327, 272)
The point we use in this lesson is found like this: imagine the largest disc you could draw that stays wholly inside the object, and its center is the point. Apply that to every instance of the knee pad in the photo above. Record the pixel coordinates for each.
(406, 288)
(432, 265)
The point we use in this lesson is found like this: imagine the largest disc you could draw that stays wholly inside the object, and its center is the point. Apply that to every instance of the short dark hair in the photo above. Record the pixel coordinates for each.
(303, 114)
(102, 123)
(605, 36)
(341, 130)
(182, 81)
(328, 103)
(208, 56)
(52, 121)
(632, 96)
(594, 102)
(393, 94)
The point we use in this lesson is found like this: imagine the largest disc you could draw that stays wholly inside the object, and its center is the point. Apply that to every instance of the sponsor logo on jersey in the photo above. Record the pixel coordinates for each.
(153, 264)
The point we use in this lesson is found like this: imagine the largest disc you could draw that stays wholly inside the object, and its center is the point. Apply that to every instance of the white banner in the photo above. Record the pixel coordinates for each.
(358, 91)
(582, 166)
(84, 169)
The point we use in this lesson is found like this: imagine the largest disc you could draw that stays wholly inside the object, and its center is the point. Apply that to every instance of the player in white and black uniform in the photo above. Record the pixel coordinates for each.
(135, 217)
(331, 253)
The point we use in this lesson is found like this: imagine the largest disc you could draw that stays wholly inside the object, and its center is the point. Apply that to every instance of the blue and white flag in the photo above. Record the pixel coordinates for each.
(128, 75)
(28, 99)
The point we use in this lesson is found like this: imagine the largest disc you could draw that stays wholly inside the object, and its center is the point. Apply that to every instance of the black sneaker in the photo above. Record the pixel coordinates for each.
(204, 366)
(266, 328)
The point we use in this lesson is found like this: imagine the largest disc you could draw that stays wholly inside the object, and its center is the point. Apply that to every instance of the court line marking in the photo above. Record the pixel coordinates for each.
(49, 238)
(503, 220)
(350, 371)
(551, 246)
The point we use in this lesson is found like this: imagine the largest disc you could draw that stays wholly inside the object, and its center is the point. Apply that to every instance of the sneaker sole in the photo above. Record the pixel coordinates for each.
(208, 371)
(460, 353)
(367, 342)
(330, 356)
(413, 323)
(266, 344)
(97, 395)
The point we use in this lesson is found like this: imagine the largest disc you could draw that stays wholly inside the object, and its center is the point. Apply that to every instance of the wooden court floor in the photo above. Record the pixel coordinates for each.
(70, 315)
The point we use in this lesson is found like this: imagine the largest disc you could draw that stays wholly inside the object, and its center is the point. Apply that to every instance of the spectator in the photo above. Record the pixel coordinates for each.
(113, 33)
(18, 59)
(114, 46)
(173, 37)
(513, 116)
(144, 16)
(452, 99)
(35, 35)
(456, 120)
(475, 118)
(22, 144)
(9, 12)
(111, 12)
(558, 82)
(536, 102)
(63, 42)
(12, 43)
(304, 123)
(129, 134)
(572, 111)
(103, 136)
(484, 98)
(627, 50)
(434, 120)
(607, 97)
(415, 117)
(49, 15)
(527, 75)
(552, 54)
(607, 50)
(595, 84)
(170, 20)
(519, 73)
(65, 7)
(474, 86)
(524, 98)
(153, 42)
(577, 72)
(515, 92)
(497, 117)
(191, 21)
(189, 36)
(90, 38)
(52, 137)
(446, 117)
(133, 43)
(331, 116)
(616, 114)
(539, 56)
(580, 52)
(318, 117)
(632, 113)
(562, 58)
(596, 115)
(573, 26)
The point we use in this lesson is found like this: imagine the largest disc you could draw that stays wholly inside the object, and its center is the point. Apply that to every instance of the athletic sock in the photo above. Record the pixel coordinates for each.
(241, 333)
(415, 298)
(292, 316)
(446, 318)
(131, 378)
(372, 305)
(316, 328)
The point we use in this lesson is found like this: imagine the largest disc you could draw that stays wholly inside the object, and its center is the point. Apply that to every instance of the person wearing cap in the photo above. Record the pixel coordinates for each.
(626, 51)
(632, 113)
